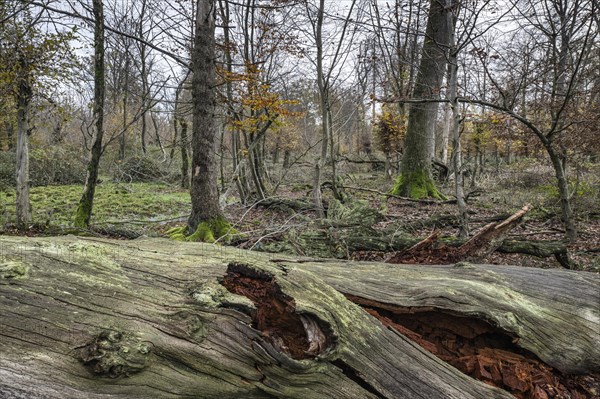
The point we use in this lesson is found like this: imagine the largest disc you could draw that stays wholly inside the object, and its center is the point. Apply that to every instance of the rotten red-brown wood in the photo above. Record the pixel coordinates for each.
(482, 351)
(275, 315)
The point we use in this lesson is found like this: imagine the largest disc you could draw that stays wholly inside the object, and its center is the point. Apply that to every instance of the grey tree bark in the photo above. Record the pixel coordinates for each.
(323, 86)
(415, 180)
(204, 191)
(24, 93)
(90, 318)
(455, 123)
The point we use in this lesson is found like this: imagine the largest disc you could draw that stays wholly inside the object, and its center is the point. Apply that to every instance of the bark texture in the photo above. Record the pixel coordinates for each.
(92, 318)
(24, 93)
(204, 190)
(86, 203)
(415, 180)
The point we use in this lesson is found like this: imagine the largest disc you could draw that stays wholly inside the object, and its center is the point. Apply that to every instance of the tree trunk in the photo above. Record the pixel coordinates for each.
(455, 128)
(23, 206)
(123, 138)
(204, 190)
(84, 210)
(563, 191)
(144, 76)
(416, 180)
(185, 174)
(323, 85)
(287, 159)
(446, 132)
(87, 318)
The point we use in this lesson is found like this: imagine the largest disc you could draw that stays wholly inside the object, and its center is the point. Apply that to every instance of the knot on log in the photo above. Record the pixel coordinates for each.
(300, 335)
(115, 354)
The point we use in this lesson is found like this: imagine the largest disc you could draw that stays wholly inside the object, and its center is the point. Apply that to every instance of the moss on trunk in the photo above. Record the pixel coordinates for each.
(417, 185)
(83, 214)
(213, 230)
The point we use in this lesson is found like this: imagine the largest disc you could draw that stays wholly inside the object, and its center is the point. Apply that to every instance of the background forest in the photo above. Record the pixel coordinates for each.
(351, 129)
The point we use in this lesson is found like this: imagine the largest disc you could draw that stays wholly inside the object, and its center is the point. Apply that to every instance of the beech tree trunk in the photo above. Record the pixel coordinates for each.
(323, 85)
(204, 190)
(91, 318)
(415, 180)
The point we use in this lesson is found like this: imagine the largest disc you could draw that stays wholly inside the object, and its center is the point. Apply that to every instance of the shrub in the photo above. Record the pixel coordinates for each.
(50, 165)
(139, 169)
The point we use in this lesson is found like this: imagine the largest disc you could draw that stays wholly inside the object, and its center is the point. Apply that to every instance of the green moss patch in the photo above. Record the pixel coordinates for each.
(214, 230)
(137, 204)
(417, 185)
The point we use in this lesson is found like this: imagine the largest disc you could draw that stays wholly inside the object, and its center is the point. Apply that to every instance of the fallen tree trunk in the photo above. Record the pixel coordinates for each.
(342, 242)
(153, 318)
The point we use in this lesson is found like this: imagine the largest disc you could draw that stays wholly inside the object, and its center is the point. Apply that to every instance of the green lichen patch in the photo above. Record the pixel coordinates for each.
(417, 185)
(211, 294)
(192, 325)
(13, 269)
(116, 354)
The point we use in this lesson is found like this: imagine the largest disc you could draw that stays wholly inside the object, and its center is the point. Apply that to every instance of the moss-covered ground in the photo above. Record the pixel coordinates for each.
(145, 205)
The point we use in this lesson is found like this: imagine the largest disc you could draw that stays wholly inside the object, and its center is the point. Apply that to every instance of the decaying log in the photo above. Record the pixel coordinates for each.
(553, 313)
(286, 204)
(489, 238)
(154, 318)
(534, 332)
(342, 242)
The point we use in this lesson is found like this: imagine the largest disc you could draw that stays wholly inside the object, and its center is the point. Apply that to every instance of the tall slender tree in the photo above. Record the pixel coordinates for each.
(31, 60)
(84, 210)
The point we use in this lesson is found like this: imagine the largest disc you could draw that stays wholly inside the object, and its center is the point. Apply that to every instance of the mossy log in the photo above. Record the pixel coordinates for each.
(552, 313)
(156, 318)
(342, 242)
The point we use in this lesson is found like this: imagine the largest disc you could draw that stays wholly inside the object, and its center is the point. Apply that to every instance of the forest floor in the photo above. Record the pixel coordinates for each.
(127, 210)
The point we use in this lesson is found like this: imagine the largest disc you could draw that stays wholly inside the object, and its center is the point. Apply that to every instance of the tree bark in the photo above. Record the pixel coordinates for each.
(185, 175)
(455, 129)
(552, 313)
(204, 190)
(24, 93)
(87, 318)
(86, 203)
(323, 85)
(415, 180)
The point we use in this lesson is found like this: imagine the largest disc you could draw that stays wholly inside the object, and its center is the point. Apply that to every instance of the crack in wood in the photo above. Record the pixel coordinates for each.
(353, 375)
(301, 336)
